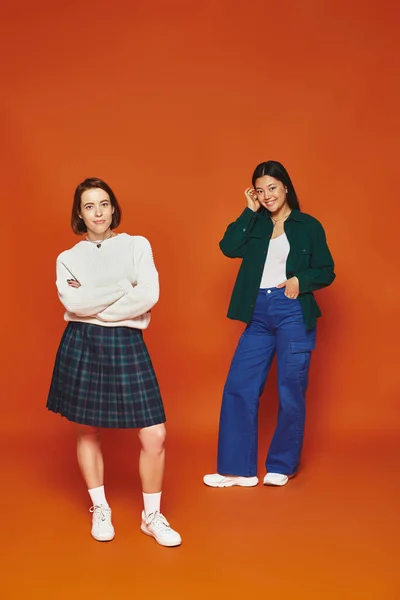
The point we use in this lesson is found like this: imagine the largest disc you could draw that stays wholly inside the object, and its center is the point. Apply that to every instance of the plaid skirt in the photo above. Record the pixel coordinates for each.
(104, 377)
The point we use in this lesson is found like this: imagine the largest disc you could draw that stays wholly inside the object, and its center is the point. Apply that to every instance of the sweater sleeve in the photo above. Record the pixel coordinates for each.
(85, 301)
(235, 237)
(140, 297)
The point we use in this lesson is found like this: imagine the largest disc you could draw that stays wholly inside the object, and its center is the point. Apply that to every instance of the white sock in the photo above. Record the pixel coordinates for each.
(98, 496)
(152, 503)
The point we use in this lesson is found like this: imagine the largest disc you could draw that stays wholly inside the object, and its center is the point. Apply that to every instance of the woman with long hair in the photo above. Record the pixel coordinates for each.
(285, 259)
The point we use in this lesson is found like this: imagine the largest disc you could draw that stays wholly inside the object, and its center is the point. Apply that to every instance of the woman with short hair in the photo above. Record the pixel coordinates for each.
(103, 375)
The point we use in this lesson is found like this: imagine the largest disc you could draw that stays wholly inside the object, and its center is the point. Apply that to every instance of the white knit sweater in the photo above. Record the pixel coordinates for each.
(119, 282)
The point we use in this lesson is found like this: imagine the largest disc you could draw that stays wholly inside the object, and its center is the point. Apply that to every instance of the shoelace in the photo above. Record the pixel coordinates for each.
(101, 514)
(158, 520)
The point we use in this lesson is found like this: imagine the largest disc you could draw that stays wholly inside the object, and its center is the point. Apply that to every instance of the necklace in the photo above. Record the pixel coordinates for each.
(275, 221)
(99, 242)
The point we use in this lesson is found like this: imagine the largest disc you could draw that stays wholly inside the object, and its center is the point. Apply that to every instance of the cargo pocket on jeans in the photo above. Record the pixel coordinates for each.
(298, 357)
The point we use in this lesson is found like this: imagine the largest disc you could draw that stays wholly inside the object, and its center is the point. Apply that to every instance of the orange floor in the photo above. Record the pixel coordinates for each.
(174, 104)
(332, 533)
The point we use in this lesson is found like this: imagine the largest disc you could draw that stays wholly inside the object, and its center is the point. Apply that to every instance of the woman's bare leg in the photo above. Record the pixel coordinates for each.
(90, 457)
(152, 458)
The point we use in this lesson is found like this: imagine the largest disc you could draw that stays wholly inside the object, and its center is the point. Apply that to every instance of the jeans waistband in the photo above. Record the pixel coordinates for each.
(273, 290)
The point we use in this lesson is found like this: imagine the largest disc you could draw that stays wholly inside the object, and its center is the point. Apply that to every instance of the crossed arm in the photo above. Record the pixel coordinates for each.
(117, 302)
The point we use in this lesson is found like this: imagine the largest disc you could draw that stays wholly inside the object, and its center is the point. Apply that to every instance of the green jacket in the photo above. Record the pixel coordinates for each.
(309, 260)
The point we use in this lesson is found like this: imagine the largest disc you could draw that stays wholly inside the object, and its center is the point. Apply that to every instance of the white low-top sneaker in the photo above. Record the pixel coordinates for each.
(217, 480)
(158, 527)
(102, 528)
(275, 479)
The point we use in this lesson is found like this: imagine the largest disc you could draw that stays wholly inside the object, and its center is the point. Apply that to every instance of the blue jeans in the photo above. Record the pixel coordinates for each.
(277, 327)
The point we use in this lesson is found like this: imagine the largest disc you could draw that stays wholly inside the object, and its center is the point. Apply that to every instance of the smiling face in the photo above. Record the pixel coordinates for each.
(272, 194)
(96, 211)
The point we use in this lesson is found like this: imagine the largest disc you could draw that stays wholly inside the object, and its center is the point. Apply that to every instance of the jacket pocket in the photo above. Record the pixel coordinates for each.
(302, 258)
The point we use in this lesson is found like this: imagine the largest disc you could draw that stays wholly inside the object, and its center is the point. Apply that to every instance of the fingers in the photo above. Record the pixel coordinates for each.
(281, 285)
(292, 288)
(251, 194)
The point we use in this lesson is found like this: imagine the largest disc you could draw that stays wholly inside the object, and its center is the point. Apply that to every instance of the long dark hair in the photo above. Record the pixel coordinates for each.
(276, 170)
(77, 223)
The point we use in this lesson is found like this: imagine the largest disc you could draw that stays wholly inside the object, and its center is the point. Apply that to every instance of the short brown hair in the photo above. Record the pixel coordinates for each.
(77, 224)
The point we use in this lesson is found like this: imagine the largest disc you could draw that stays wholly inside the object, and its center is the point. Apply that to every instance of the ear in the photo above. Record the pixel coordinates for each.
(112, 211)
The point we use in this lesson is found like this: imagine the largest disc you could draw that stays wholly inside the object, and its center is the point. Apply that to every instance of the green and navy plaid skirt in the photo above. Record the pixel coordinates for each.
(104, 377)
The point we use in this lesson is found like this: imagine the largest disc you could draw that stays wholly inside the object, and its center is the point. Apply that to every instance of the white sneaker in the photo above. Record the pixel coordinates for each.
(158, 527)
(275, 479)
(102, 528)
(217, 480)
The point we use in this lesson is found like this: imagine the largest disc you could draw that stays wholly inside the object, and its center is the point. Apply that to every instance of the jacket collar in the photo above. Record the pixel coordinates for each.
(295, 215)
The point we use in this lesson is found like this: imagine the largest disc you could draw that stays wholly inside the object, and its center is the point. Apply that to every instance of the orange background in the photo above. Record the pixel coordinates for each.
(174, 104)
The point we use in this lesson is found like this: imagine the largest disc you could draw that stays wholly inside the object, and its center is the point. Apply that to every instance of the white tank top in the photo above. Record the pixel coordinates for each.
(275, 264)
